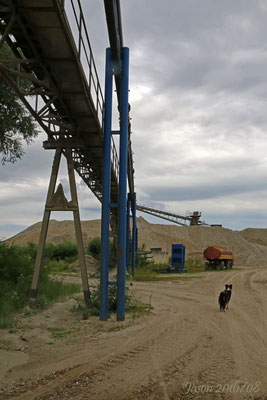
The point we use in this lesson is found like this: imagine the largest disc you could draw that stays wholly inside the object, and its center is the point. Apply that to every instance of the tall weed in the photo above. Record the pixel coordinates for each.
(16, 269)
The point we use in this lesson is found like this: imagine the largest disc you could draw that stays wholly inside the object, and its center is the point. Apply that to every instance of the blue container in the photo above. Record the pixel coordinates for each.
(178, 256)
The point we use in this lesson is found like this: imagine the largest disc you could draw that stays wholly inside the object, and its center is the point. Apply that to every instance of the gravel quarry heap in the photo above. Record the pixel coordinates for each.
(249, 246)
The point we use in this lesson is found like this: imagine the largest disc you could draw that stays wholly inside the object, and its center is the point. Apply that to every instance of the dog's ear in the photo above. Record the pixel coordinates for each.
(230, 286)
(226, 286)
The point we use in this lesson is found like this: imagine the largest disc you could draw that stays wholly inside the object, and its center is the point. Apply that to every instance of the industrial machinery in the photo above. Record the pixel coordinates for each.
(218, 258)
(191, 219)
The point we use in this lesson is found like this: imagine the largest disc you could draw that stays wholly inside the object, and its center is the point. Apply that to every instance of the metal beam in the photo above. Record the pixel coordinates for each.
(113, 15)
(134, 235)
(105, 217)
(123, 186)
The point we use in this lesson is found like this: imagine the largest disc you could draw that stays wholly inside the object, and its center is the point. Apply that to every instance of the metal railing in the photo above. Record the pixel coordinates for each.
(75, 17)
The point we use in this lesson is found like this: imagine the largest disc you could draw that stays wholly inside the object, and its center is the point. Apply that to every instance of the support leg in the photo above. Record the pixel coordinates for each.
(44, 228)
(134, 239)
(78, 231)
(123, 185)
(128, 234)
(105, 219)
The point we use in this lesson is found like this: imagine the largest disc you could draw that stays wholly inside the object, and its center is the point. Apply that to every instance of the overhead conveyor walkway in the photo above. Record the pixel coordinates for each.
(69, 103)
(51, 50)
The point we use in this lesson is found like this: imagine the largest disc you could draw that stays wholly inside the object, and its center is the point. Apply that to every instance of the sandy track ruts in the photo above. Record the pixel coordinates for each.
(186, 340)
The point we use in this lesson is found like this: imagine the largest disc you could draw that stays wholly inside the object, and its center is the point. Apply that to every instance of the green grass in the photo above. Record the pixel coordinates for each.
(57, 266)
(16, 269)
(59, 334)
(49, 292)
(148, 273)
(194, 265)
(137, 309)
(63, 334)
(164, 278)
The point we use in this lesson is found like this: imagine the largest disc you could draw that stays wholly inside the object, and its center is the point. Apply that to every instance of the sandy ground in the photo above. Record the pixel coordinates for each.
(185, 349)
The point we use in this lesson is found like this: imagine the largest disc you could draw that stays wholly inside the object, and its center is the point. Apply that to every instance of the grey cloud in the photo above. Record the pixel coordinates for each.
(199, 192)
(202, 113)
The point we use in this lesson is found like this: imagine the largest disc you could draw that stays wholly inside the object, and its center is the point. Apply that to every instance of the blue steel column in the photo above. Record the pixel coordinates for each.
(134, 234)
(106, 177)
(123, 185)
(128, 234)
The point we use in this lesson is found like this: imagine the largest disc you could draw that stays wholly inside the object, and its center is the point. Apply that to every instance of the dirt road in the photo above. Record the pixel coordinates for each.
(186, 349)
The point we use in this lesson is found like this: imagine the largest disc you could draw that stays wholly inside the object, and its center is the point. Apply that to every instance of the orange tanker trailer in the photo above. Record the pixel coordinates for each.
(218, 257)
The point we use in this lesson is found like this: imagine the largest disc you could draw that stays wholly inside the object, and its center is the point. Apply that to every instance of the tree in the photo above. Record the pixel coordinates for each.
(16, 124)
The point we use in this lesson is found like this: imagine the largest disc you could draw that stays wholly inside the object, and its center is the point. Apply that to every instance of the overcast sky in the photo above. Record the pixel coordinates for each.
(198, 94)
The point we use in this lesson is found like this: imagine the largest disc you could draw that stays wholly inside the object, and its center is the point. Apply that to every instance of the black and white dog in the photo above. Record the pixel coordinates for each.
(225, 297)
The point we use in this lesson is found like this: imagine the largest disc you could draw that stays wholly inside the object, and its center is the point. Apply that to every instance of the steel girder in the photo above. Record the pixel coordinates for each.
(71, 116)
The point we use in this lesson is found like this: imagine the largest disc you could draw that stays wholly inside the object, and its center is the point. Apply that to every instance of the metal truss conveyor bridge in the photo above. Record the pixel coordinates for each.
(51, 50)
(192, 219)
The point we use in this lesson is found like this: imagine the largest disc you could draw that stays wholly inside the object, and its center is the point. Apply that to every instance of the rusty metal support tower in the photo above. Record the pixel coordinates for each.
(63, 92)
(56, 201)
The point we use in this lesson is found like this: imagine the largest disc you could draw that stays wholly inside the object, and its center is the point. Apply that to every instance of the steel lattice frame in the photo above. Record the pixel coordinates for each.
(43, 100)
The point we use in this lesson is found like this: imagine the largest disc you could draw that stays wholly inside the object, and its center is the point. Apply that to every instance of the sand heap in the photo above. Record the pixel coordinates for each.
(58, 231)
(92, 265)
(249, 246)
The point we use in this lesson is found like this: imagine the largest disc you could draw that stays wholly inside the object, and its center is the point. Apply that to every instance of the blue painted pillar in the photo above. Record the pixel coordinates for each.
(134, 234)
(123, 185)
(128, 234)
(106, 177)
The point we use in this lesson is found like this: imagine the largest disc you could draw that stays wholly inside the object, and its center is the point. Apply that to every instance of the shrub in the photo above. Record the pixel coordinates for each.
(95, 300)
(15, 261)
(32, 250)
(83, 312)
(94, 249)
(64, 250)
(61, 251)
(15, 280)
(16, 268)
(49, 250)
